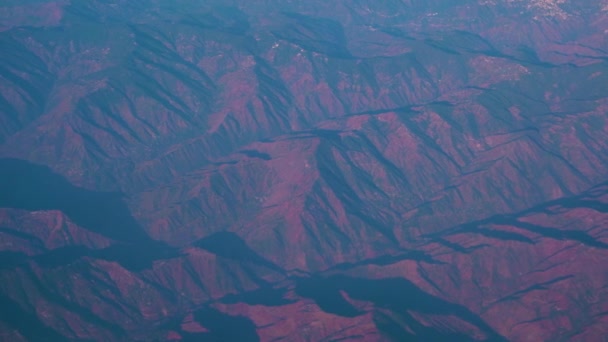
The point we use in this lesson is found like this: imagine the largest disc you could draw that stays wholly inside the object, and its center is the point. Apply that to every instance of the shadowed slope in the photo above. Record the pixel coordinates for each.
(304, 171)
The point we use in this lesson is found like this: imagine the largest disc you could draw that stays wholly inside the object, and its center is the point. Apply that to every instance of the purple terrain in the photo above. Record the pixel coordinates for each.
(270, 170)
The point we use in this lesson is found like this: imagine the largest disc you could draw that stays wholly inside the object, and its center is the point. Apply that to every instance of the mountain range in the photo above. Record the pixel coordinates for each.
(398, 170)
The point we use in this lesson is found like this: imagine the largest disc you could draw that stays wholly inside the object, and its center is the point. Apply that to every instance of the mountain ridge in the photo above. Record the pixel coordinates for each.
(406, 170)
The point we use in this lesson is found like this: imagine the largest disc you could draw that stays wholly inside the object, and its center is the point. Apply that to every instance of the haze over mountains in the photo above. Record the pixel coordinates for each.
(304, 171)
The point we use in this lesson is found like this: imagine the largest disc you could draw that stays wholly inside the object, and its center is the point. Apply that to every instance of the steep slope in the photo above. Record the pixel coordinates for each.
(404, 170)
